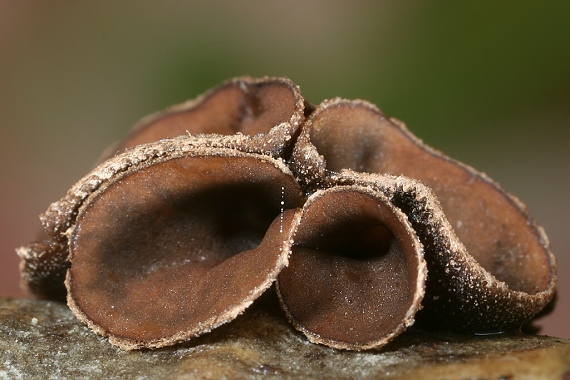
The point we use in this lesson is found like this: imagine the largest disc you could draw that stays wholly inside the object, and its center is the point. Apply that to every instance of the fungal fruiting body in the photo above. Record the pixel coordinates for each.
(191, 240)
(267, 110)
(356, 275)
(363, 228)
(481, 246)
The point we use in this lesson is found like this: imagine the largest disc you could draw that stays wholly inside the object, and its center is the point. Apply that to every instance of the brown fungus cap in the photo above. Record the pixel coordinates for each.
(173, 239)
(356, 275)
(263, 114)
(488, 225)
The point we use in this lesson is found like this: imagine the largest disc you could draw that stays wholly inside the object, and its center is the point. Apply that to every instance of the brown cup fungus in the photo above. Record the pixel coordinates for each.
(165, 240)
(356, 275)
(178, 244)
(494, 269)
(261, 114)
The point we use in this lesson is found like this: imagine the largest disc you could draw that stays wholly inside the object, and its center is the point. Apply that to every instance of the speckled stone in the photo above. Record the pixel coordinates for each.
(42, 340)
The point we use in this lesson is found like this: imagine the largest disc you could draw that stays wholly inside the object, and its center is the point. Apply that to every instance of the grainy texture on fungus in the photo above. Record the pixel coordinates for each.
(43, 266)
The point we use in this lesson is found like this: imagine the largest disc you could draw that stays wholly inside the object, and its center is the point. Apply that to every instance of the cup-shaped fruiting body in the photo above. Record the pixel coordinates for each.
(262, 114)
(356, 275)
(491, 228)
(169, 240)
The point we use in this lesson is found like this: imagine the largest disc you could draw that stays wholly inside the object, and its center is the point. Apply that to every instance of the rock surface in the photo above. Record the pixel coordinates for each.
(41, 339)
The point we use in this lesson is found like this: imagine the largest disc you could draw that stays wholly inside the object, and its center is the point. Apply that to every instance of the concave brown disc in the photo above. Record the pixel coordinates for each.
(356, 273)
(177, 248)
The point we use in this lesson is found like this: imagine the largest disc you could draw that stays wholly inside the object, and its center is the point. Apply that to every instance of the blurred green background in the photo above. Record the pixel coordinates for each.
(487, 82)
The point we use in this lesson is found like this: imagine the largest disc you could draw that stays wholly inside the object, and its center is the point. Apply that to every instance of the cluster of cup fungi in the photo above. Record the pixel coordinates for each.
(359, 227)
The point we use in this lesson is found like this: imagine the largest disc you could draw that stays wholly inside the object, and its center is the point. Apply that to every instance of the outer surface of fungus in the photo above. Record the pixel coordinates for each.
(356, 275)
(166, 240)
(43, 266)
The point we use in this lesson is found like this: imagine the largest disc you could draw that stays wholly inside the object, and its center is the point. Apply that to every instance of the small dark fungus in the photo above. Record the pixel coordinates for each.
(356, 275)
(42, 267)
(262, 114)
(171, 248)
(489, 226)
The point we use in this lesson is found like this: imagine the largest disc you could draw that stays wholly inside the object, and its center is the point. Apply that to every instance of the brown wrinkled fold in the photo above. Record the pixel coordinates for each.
(356, 275)
(486, 256)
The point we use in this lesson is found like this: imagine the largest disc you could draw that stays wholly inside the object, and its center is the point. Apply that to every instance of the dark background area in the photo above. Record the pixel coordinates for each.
(486, 82)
